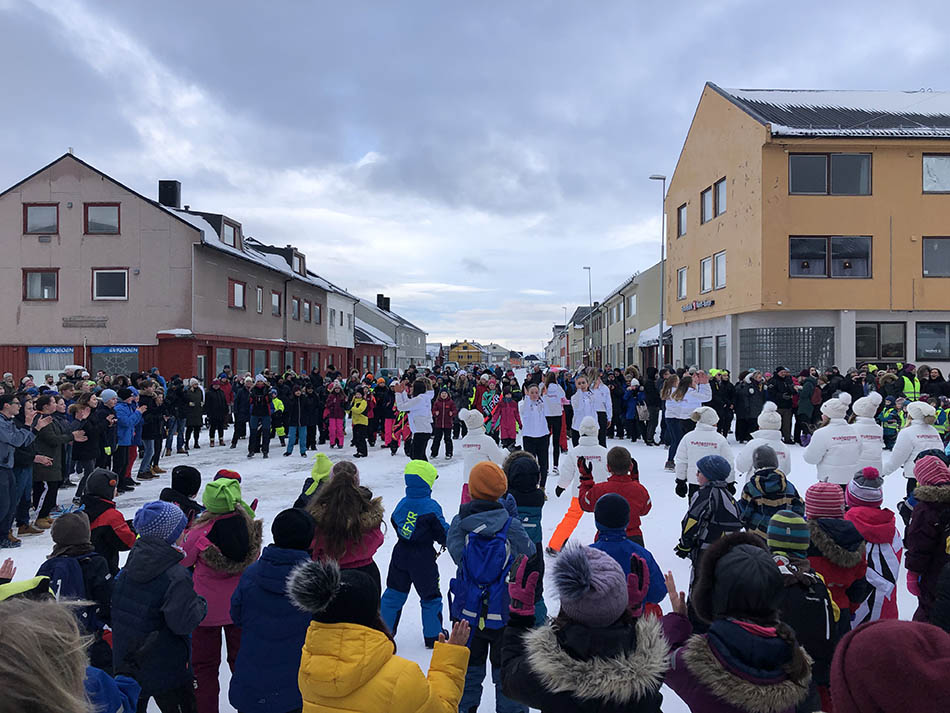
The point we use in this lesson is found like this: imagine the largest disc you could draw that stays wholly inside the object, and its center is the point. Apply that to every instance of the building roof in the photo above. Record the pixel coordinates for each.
(368, 334)
(580, 314)
(846, 113)
(391, 316)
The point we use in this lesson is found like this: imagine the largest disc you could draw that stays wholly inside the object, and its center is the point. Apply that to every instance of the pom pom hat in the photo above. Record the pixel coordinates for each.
(865, 488)
(824, 500)
(867, 407)
(591, 586)
(837, 407)
(769, 419)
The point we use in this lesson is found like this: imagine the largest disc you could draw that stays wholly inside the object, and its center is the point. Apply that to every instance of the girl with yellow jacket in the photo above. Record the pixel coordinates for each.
(349, 660)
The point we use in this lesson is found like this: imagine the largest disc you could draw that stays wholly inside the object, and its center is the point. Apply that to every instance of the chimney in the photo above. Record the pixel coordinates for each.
(169, 194)
(380, 300)
(386, 304)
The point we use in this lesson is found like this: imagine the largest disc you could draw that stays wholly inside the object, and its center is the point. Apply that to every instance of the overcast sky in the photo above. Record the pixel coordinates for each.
(464, 158)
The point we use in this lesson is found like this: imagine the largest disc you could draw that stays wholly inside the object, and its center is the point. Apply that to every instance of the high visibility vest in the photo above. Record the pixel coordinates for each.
(911, 387)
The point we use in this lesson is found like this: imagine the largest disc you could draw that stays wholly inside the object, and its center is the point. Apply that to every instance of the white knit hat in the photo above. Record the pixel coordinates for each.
(769, 419)
(472, 419)
(706, 415)
(919, 410)
(867, 406)
(838, 406)
(588, 427)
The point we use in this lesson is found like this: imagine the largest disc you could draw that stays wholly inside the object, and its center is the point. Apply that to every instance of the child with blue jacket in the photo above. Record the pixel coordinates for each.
(419, 523)
(524, 477)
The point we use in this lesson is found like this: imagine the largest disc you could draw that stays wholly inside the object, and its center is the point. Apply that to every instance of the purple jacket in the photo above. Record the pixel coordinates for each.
(925, 541)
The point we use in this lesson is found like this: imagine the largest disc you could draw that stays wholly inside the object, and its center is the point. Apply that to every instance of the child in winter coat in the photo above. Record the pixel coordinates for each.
(927, 534)
(420, 526)
(476, 446)
(506, 419)
(524, 476)
(335, 412)
(767, 492)
(318, 476)
(611, 517)
(418, 408)
(624, 479)
(919, 435)
(349, 522)
(272, 628)
(278, 419)
(484, 518)
(349, 660)
(864, 498)
(599, 654)
(593, 454)
(221, 543)
(892, 420)
(155, 610)
(443, 419)
(110, 532)
(749, 661)
(834, 448)
(804, 601)
(186, 482)
(837, 550)
(702, 441)
(769, 434)
(357, 411)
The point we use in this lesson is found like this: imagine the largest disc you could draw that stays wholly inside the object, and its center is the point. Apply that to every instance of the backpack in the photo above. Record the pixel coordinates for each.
(816, 396)
(67, 582)
(806, 607)
(478, 593)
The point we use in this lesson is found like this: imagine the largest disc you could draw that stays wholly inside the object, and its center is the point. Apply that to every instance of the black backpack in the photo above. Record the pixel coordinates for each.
(805, 605)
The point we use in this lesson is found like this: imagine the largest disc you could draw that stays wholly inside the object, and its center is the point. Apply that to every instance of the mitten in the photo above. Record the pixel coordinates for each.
(638, 582)
(681, 488)
(913, 583)
(558, 490)
(584, 468)
(681, 552)
(521, 588)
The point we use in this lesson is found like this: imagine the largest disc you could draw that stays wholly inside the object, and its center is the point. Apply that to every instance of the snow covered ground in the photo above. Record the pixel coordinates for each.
(276, 482)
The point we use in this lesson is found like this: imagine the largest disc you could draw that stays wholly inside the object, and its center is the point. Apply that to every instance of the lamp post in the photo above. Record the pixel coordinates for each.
(565, 315)
(590, 314)
(659, 344)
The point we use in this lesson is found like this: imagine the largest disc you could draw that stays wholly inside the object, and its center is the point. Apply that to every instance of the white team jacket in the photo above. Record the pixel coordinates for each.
(871, 435)
(835, 449)
(910, 441)
(702, 441)
(594, 453)
(770, 438)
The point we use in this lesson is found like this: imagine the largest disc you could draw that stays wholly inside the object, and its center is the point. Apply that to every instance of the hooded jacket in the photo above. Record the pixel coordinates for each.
(926, 540)
(883, 554)
(418, 518)
(273, 631)
(127, 420)
(749, 398)
(913, 439)
(486, 517)
(590, 450)
(835, 449)
(110, 533)
(476, 447)
(444, 412)
(615, 542)
(419, 409)
(216, 406)
(767, 492)
(704, 440)
(627, 487)
(357, 554)
(772, 439)
(837, 554)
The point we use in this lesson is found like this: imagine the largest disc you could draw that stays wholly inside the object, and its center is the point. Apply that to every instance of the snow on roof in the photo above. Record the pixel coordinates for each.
(648, 337)
(391, 316)
(177, 332)
(820, 112)
(377, 335)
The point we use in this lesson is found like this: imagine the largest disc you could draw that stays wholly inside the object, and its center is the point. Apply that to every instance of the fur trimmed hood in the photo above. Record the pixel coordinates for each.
(213, 557)
(370, 520)
(846, 554)
(933, 494)
(628, 676)
(746, 695)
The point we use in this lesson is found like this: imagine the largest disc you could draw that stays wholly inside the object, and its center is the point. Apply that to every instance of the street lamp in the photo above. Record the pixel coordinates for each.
(659, 347)
(565, 315)
(590, 313)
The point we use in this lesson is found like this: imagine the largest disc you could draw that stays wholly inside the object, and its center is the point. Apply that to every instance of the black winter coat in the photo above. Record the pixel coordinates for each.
(749, 400)
(260, 401)
(297, 408)
(242, 403)
(153, 419)
(216, 406)
(781, 391)
(107, 434)
(176, 402)
(723, 395)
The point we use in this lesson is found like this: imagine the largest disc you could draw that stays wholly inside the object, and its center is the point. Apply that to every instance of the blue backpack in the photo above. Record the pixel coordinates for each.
(479, 591)
(66, 582)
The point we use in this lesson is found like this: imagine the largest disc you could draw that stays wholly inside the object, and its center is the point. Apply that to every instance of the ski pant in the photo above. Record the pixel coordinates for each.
(437, 435)
(388, 430)
(24, 485)
(192, 432)
(240, 430)
(602, 428)
(567, 525)
(259, 440)
(206, 661)
(413, 566)
(554, 425)
(175, 700)
(336, 432)
(538, 447)
(485, 647)
(297, 434)
(44, 497)
(8, 501)
(120, 461)
(360, 431)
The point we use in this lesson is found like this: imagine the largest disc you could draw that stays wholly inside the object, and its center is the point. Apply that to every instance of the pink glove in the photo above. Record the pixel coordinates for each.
(913, 583)
(521, 588)
(638, 583)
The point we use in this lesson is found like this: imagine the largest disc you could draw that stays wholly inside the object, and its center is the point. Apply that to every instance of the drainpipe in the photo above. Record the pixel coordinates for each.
(286, 303)
(623, 326)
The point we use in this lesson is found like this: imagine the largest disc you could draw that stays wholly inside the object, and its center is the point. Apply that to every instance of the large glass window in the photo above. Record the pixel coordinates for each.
(681, 221)
(41, 361)
(705, 274)
(879, 341)
(706, 353)
(808, 173)
(110, 284)
(274, 360)
(41, 218)
(936, 257)
(850, 256)
(706, 205)
(720, 189)
(936, 173)
(242, 361)
(102, 218)
(795, 347)
(933, 341)
(681, 284)
(689, 352)
(838, 174)
(260, 360)
(721, 358)
(40, 285)
(222, 358)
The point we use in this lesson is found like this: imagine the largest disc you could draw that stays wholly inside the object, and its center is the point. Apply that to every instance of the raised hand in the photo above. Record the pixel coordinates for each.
(459, 635)
(677, 598)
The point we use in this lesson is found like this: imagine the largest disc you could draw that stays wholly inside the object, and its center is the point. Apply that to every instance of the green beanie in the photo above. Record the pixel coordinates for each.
(222, 496)
(321, 468)
(423, 469)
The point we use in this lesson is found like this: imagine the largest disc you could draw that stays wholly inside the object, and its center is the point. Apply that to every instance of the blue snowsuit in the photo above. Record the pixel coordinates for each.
(419, 523)
(613, 541)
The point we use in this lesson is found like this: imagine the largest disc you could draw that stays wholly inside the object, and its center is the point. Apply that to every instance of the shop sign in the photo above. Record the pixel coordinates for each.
(115, 350)
(697, 304)
(49, 350)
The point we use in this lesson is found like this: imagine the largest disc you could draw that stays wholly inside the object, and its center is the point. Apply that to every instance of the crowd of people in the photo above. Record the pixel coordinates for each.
(791, 603)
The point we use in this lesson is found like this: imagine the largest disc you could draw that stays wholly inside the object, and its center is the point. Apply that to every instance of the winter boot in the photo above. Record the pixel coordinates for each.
(168, 452)
(28, 530)
(221, 442)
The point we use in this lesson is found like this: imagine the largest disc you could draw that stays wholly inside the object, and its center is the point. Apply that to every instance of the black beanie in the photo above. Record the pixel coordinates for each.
(746, 582)
(334, 596)
(186, 480)
(293, 529)
(101, 483)
(612, 510)
(124, 393)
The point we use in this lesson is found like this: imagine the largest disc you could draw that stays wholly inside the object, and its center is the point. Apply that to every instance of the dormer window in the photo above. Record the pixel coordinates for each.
(298, 264)
(229, 234)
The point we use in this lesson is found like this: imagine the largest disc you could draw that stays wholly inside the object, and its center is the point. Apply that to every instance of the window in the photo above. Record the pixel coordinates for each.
(317, 314)
(298, 264)
(719, 270)
(706, 353)
(41, 285)
(705, 274)
(681, 284)
(222, 358)
(260, 300)
(850, 256)
(306, 310)
(936, 257)
(242, 361)
(689, 352)
(260, 360)
(332, 316)
(719, 188)
(631, 305)
(681, 221)
(101, 218)
(721, 358)
(874, 341)
(796, 347)
(341, 317)
(110, 284)
(936, 173)
(838, 174)
(228, 234)
(40, 218)
(706, 206)
(933, 341)
(275, 303)
(349, 323)
(274, 364)
(295, 308)
(236, 292)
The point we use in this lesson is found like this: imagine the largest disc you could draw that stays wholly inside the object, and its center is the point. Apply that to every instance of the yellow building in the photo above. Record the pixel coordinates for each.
(467, 353)
(811, 228)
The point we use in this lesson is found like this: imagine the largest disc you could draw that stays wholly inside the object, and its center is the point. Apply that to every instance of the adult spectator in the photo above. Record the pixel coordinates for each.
(781, 391)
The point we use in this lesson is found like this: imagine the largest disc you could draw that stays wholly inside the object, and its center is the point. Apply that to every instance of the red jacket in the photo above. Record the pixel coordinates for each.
(109, 532)
(443, 413)
(508, 418)
(837, 553)
(335, 406)
(626, 486)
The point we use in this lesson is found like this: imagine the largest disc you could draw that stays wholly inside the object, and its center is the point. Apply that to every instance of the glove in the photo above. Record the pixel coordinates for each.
(638, 583)
(107, 450)
(681, 488)
(731, 487)
(681, 551)
(558, 490)
(521, 588)
(913, 583)
(584, 468)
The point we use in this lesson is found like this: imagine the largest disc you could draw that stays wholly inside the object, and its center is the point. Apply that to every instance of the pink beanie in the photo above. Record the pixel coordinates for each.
(824, 500)
(865, 489)
(930, 470)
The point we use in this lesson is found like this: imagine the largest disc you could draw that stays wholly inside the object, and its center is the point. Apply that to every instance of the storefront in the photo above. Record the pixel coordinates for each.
(48, 360)
(114, 360)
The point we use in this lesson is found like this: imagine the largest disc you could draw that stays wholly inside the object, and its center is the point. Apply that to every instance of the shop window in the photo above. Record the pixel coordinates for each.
(114, 360)
(260, 360)
(242, 361)
(936, 257)
(706, 353)
(40, 218)
(722, 361)
(879, 341)
(933, 341)
(681, 221)
(936, 173)
(41, 285)
(839, 256)
(222, 358)
(838, 174)
(274, 361)
(101, 218)
(41, 361)
(689, 352)
(796, 347)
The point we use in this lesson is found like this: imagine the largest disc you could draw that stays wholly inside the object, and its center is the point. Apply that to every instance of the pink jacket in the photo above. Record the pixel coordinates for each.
(509, 419)
(357, 554)
(216, 577)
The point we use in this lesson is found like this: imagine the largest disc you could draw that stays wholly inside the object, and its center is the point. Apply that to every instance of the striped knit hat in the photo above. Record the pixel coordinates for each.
(788, 534)
(865, 489)
(930, 470)
(824, 500)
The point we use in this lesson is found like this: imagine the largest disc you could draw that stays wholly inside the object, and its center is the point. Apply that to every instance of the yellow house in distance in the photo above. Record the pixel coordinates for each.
(811, 228)
(467, 353)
